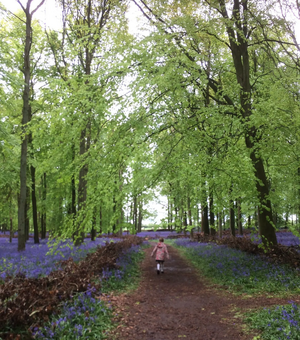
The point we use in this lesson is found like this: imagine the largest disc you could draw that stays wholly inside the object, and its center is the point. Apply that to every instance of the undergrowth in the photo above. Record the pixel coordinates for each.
(110, 268)
(279, 323)
(86, 316)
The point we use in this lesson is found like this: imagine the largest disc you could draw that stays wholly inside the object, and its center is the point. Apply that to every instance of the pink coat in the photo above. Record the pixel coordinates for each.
(161, 250)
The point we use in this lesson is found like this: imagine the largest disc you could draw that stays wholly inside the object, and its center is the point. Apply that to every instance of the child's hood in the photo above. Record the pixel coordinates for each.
(160, 245)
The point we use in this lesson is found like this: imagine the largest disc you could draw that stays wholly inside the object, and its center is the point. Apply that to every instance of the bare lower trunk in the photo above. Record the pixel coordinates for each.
(239, 217)
(232, 219)
(204, 220)
(34, 208)
(220, 225)
(211, 215)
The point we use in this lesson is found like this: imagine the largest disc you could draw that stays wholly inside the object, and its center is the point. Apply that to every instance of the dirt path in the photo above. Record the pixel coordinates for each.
(180, 305)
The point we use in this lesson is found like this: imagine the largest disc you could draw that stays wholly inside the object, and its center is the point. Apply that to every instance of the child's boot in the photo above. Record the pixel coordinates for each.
(158, 268)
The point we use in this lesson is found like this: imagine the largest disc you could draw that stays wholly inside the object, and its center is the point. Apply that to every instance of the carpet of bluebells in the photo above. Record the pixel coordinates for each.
(84, 315)
(279, 323)
(248, 273)
(285, 238)
(87, 316)
(41, 259)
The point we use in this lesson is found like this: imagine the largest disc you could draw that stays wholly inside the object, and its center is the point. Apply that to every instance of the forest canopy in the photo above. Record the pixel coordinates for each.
(202, 102)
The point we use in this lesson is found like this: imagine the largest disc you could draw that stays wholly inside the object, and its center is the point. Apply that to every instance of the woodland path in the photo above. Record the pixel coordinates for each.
(180, 304)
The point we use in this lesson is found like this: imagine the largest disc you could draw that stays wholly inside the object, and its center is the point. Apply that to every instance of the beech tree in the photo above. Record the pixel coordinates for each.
(26, 116)
(180, 35)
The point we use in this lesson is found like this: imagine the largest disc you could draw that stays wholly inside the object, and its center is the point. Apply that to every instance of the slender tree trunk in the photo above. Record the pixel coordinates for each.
(24, 145)
(171, 215)
(239, 217)
(204, 209)
(11, 220)
(220, 224)
(211, 215)
(34, 207)
(43, 215)
(73, 188)
(27, 207)
(135, 219)
(140, 214)
(176, 217)
(185, 223)
(204, 220)
(298, 203)
(100, 220)
(94, 221)
(114, 213)
(189, 211)
(259, 221)
(232, 218)
(33, 191)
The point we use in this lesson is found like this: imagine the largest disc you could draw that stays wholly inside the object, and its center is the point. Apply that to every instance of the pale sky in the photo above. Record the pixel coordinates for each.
(50, 15)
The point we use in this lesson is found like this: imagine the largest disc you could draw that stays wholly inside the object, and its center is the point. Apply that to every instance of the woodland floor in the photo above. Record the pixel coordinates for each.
(182, 304)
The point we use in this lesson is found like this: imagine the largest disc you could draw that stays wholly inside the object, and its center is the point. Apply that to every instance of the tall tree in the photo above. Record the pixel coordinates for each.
(26, 114)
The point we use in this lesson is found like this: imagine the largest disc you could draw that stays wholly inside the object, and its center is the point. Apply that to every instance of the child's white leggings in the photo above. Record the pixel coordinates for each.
(160, 266)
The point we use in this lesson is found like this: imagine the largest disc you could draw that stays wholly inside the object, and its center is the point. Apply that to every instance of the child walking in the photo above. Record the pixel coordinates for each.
(161, 250)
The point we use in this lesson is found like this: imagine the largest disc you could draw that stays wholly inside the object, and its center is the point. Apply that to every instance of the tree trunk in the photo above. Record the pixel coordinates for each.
(94, 221)
(34, 208)
(176, 217)
(82, 191)
(204, 208)
(211, 215)
(298, 203)
(232, 218)
(204, 220)
(100, 220)
(11, 220)
(43, 215)
(185, 223)
(259, 221)
(135, 219)
(140, 215)
(198, 218)
(220, 224)
(33, 191)
(239, 217)
(171, 215)
(237, 31)
(25, 120)
(27, 207)
(73, 188)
